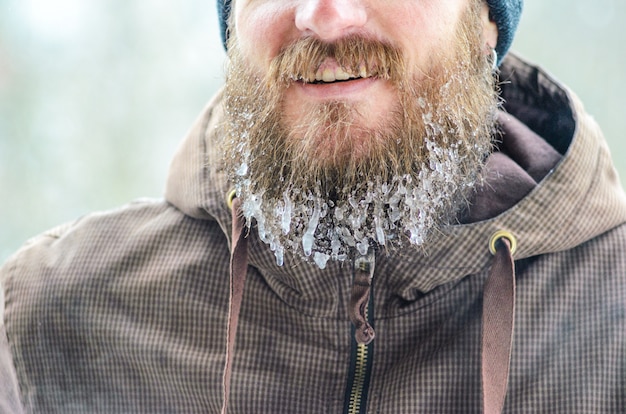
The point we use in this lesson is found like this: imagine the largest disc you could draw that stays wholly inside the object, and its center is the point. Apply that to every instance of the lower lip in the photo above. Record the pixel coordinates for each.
(336, 90)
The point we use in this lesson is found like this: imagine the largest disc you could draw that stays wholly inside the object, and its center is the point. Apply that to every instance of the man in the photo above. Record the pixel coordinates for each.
(338, 235)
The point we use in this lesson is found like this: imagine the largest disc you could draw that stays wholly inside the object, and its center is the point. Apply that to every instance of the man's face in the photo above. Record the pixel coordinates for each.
(421, 29)
(355, 123)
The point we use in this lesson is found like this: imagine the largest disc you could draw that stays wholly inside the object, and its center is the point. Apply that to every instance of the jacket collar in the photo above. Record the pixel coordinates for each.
(551, 184)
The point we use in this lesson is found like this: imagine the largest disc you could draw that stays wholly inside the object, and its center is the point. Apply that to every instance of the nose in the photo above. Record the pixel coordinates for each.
(330, 19)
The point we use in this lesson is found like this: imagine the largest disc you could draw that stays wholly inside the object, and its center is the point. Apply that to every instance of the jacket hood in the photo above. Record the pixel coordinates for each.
(551, 183)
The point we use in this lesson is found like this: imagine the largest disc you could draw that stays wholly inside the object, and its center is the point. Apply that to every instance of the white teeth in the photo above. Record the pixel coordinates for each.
(329, 75)
(342, 75)
(362, 71)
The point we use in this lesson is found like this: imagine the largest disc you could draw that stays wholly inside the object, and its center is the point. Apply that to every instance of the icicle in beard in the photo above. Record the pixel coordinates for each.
(389, 186)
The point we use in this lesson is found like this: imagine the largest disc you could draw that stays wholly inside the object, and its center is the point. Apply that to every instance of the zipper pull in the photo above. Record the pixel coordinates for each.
(360, 295)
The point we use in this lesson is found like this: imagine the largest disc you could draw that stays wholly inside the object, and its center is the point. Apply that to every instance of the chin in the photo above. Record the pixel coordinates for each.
(337, 134)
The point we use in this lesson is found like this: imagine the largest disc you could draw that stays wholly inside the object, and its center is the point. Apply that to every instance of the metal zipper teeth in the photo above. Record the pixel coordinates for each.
(361, 366)
(361, 355)
(358, 384)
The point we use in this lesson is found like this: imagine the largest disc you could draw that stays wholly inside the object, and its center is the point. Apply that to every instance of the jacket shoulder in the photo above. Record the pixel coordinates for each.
(79, 291)
(100, 239)
(148, 236)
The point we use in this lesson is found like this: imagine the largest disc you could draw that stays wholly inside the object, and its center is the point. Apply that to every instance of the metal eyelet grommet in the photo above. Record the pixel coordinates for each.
(502, 234)
(232, 194)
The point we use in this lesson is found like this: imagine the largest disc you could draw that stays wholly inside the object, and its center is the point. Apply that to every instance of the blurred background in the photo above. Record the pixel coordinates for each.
(95, 95)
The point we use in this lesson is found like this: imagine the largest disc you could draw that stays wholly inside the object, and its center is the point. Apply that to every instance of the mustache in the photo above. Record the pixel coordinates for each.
(356, 55)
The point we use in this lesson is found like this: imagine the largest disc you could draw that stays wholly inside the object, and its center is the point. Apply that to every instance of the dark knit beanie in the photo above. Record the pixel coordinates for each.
(506, 14)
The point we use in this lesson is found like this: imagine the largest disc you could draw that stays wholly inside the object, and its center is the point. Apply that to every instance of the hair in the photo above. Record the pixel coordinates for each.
(340, 186)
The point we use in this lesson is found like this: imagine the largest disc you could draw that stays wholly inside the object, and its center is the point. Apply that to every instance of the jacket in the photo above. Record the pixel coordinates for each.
(127, 311)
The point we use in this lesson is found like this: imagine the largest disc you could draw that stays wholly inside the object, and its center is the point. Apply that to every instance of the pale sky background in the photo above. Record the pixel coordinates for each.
(96, 95)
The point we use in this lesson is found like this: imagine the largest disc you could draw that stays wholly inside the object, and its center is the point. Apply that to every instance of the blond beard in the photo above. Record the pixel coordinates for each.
(388, 186)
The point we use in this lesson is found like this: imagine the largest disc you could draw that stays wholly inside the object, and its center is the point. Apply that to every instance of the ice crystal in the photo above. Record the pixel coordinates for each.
(403, 208)
(242, 170)
(380, 213)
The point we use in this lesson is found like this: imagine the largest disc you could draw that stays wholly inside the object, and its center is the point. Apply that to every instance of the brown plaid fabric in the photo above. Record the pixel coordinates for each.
(126, 311)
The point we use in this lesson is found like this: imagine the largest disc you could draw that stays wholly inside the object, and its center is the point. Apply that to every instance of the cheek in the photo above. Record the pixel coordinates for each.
(263, 30)
(424, 27)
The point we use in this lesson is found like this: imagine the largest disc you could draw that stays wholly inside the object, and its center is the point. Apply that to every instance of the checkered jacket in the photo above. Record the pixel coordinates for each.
(126, 311)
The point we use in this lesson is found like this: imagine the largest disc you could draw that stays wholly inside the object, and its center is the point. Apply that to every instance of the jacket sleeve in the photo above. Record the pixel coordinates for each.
(10, 402)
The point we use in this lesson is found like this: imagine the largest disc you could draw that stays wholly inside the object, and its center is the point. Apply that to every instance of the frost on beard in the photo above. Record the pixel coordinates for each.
(404, 210)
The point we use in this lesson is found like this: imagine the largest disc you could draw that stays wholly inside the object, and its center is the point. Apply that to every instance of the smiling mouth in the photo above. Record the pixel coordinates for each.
(337, 74)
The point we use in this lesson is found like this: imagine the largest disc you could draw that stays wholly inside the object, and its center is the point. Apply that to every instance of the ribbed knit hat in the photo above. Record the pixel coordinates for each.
(506, 14)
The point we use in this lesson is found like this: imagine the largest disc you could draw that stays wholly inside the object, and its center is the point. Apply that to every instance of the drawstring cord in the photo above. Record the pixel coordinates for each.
(238, 272)
(498, 323)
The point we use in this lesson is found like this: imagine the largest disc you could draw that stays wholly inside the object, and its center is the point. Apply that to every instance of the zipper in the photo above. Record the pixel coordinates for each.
(361, 355)
(359, 377)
